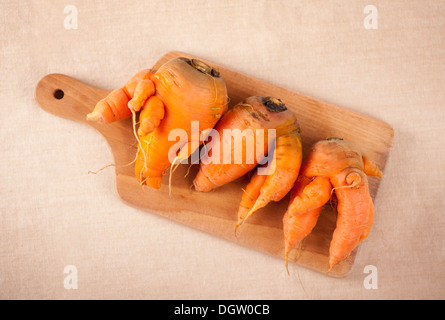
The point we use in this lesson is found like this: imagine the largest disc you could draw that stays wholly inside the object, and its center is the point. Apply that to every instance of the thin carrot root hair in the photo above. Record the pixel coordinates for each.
(299, 250)
(349, 177)
(343, 187)
(299, 280)
(113, 165)
(188, 170)
(288, 250)
(197, 161)
(136, 156)
(133, 120)
(172, 170)
(333, 203)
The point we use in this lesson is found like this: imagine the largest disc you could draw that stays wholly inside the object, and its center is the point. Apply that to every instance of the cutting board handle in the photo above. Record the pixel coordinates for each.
(68, 98)
(72, 99)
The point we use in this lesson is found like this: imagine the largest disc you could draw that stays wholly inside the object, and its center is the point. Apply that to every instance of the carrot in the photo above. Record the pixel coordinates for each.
(181, 92)
(114, 106)
(257, 115)
(250, 195)
(307, 199)
(332, 165)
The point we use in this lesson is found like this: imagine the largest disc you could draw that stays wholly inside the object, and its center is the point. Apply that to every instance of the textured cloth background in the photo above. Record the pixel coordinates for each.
(53, 213)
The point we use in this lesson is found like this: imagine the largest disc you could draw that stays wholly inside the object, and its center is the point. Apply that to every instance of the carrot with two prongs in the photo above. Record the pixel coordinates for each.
(181, 92)
(333, 165)
(254, 119)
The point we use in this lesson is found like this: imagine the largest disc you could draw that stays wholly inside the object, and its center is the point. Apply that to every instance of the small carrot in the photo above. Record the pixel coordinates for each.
(250, 195)
(180, 92)
(258, 115)
(114, 106)
(307, 199)
(332, 162)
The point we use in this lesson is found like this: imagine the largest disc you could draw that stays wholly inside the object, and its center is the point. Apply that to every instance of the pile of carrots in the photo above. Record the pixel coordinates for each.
(185, 91)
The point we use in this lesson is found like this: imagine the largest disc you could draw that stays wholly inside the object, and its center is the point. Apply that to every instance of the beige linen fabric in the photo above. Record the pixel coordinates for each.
(54, 214)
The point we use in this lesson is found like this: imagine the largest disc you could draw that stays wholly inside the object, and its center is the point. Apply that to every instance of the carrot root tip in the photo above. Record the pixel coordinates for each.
(286, 264)
(95, 117)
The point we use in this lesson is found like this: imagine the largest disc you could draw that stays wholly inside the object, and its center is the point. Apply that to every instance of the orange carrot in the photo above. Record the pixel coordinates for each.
(250, 195)
(257, 115)
(337, 162)
(179, 93)
(114, 106)
(307, 199)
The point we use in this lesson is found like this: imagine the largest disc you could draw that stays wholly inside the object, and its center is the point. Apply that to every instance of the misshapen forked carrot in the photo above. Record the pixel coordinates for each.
(332, 162)
(306, 201)
(257, 115)
(181, 93)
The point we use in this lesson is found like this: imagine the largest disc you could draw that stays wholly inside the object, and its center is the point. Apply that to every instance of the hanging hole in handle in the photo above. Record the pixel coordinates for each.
(58, 94)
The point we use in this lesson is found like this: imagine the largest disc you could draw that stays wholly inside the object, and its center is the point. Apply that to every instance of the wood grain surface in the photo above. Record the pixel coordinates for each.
(216, 212)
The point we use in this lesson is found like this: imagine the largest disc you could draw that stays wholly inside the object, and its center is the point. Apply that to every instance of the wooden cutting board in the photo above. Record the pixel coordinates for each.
(216, 212)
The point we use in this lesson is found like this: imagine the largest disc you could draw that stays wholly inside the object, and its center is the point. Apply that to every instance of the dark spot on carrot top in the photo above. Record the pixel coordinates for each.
(334, 138)
(201, 67)
(274, 104)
